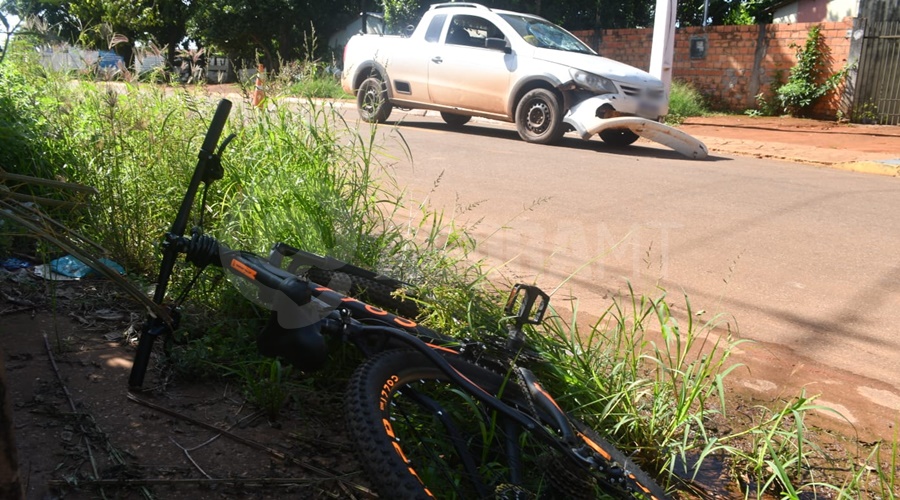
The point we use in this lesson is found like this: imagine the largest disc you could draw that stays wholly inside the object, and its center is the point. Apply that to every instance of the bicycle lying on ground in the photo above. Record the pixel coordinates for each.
(431, 416)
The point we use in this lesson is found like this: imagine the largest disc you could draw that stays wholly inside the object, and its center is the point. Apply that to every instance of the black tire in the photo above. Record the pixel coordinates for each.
(539, 117)
(376, 291)
(455, 120)
(619, 137)
(372, 101)
(396, 403)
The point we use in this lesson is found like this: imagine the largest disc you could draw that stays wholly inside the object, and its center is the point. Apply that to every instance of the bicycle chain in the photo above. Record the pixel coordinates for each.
(524, 387)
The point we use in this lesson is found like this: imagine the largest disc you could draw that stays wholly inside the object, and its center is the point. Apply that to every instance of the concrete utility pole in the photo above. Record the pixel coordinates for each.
(663, 49)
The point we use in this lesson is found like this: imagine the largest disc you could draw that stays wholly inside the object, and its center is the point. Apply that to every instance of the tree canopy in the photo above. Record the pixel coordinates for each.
(281, 30)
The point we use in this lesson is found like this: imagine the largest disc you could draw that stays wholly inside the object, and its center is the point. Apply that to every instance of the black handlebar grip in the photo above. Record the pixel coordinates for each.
(216, 126)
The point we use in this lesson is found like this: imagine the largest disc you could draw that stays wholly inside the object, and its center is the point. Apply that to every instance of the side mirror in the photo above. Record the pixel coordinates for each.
(409, 30)
(497, 44)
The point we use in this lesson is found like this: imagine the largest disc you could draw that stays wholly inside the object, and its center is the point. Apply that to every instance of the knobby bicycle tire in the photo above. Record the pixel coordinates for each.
(398, 406)
(380, 293)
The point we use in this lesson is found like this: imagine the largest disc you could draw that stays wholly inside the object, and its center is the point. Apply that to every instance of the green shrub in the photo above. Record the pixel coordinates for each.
(685, 101)
(809, 79)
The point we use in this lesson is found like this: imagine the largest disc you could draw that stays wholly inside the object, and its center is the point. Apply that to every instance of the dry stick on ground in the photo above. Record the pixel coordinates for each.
(190, 458)
(84, 431)
(326, 473)
(187, 451)
(15, 310)
(21, 305)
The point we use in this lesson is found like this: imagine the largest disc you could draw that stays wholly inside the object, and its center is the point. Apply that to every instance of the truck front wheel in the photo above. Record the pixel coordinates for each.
(372, 102)
(538, 117)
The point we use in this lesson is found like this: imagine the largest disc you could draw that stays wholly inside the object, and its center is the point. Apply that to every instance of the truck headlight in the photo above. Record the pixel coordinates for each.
(592, 82)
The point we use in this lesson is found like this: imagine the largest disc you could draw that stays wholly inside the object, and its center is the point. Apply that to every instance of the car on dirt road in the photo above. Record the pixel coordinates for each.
(465, 60)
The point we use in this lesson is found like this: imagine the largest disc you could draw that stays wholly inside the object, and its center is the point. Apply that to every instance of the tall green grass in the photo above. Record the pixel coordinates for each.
(658, 384)
(685, 101)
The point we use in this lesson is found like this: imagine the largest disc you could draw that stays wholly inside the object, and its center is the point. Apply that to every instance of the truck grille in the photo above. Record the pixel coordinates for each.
(650, 94)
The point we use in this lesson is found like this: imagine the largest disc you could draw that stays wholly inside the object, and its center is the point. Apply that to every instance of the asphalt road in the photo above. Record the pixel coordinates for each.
(802, 260)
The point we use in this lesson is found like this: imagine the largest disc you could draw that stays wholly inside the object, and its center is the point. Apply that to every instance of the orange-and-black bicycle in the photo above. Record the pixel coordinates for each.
(431, 416)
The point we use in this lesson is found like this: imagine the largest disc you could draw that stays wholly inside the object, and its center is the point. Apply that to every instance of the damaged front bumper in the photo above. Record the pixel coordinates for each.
(583, 118)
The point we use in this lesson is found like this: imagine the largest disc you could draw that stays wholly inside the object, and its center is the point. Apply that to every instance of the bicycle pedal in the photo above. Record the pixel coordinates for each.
(527, 304)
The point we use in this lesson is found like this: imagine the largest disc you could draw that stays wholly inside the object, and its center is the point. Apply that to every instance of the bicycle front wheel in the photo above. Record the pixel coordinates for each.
(420, 436)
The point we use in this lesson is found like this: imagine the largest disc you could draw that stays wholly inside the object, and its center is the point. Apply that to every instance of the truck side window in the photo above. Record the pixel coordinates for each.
(471, 31)
(433, 33)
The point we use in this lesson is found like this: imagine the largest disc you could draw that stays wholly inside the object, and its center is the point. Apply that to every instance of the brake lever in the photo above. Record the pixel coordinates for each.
(225, 143)
(214, 170)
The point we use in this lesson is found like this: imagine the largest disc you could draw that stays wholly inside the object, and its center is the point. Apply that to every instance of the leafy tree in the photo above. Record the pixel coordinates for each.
(168, 26)
(610, 14)
(277, 29)
(55, 15)
(90, 22)
(7, 33)
(400, 13)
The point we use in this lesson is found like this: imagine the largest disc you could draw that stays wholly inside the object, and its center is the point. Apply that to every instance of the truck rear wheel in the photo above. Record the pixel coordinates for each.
(455, 120)
(618, 136)
(372, 102)
(538, 117)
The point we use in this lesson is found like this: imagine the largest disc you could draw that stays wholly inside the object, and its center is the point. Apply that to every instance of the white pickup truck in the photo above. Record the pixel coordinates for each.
(465, 60)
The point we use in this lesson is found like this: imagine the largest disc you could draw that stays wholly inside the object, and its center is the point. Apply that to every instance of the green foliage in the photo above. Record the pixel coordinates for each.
(321, 86)
(685, 101)
(28, 128)
(6, 33)
(310, 77)
(272, 28)
(867, 112)
(743, 13)
(400, 13)
(809, 79)
(265, 383)
(650, 392)
(767, 105)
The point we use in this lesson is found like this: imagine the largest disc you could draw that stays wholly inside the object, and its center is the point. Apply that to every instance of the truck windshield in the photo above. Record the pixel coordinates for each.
(545, 34)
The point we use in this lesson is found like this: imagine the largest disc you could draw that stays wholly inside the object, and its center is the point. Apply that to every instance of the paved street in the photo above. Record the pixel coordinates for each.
(803, 259)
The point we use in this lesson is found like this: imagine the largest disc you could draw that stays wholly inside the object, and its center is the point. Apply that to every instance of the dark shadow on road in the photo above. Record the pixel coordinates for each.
(569, 141)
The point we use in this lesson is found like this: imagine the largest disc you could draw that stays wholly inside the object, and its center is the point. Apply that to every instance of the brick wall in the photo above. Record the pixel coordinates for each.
(740, 62)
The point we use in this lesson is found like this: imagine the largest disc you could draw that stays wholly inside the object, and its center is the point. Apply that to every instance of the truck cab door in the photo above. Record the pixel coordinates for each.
(409, 67)
(464, 74)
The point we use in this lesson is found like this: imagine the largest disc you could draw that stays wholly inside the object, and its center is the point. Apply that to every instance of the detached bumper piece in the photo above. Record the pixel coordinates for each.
(582, 119)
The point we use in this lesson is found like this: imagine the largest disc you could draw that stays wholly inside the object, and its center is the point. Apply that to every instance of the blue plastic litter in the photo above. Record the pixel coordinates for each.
(13, 263)
(74, 268)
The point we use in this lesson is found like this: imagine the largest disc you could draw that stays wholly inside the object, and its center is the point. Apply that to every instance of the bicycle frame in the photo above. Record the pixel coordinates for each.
(348, 322)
